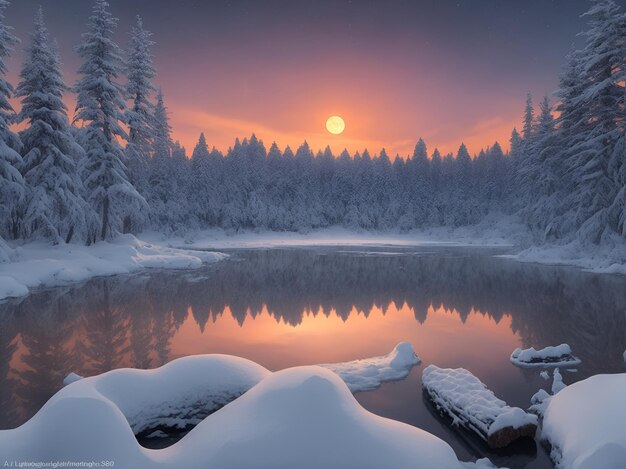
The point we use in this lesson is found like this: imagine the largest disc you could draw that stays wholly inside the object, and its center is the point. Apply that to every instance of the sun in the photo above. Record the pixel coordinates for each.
(335, 125)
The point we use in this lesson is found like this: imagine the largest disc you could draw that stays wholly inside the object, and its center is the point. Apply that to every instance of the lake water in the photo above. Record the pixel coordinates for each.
(459, 307)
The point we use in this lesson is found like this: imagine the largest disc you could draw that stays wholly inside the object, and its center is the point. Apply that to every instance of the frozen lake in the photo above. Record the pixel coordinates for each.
(459, 307)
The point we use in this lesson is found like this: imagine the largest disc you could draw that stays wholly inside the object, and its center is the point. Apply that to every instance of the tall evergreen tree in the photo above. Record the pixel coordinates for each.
(139, 89)
(12, 187)
(54, 208)
(602, 98)
(100, 105)
(529, 117)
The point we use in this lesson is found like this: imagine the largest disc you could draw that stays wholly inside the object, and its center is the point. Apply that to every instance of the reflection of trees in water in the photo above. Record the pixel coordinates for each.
(130, 321)
(7, 383)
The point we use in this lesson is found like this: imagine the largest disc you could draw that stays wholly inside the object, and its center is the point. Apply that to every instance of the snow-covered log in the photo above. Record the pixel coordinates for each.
(464, 398)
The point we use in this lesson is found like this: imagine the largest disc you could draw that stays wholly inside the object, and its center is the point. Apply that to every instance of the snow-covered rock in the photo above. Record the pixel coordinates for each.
(178, 394)
(466, 399)
(303, 417)
(187, 393)
(41, 264)
(369, 373)
(560, 355)
(585, 424)
(557, 382)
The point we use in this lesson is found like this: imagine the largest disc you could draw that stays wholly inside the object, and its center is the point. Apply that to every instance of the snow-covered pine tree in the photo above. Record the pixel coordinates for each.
(602, 98)
(161, 178)
(139, 89)
(100, 106)
(12, 187)
(529, 117)
(54, 208)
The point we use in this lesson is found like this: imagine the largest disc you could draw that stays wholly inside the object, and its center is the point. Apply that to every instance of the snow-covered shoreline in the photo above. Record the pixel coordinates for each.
(40, 264)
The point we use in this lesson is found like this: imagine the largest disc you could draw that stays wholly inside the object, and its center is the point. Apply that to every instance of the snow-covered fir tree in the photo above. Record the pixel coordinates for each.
(54, 208)
(161, 181)
(100, 106)
(12, 187)
(139, 89)
(602, 98)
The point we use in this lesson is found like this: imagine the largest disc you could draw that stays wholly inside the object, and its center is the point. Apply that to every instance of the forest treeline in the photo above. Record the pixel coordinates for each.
(115, 168)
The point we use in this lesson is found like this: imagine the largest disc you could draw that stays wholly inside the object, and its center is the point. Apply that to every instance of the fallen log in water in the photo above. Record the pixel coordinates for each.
(463, 397)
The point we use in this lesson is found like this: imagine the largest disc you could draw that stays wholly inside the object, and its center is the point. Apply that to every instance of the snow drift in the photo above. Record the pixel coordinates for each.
(302, 417)
(586, 424)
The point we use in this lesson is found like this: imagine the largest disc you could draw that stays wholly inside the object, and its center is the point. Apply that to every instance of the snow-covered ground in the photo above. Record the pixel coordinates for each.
(585, 423)
(303, 417)
(609, 258)
(40, 264)
(489, 233)
(559, 355)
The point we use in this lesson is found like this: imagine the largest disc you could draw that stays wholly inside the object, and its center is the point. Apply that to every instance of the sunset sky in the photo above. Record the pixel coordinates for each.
(447, 71)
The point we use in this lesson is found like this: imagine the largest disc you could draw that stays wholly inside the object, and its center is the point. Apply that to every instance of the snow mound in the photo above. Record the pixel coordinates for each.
(176, 395)
(187, 392)
(560, 355)
(72, 377)
(369, 373)
(466, 399)
(303, 417)
(586, 424)
(43, 265)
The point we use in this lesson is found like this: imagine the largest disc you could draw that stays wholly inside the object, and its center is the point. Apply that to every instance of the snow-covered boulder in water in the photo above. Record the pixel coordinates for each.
(560, 355)
(585, 424)
(463, 397)
(369, 373)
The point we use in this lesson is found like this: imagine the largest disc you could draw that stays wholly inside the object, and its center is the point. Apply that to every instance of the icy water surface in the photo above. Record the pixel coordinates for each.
(459, 307)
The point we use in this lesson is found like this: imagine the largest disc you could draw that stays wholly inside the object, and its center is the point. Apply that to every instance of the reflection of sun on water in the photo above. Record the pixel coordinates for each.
(326, 337)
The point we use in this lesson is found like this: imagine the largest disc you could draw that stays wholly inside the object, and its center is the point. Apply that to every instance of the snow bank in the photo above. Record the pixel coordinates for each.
(560, 355)
(5, 251)
(496, 231)
(608, 258)
(586, 424)
(369, 373)
(463, 397)
(41, 264)
(301, 417)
